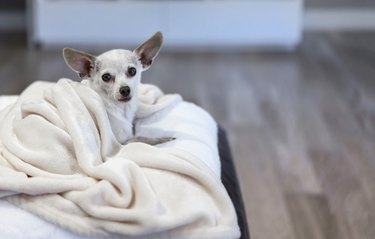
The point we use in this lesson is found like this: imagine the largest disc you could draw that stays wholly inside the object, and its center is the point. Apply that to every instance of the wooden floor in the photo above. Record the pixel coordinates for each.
(301, 125)
(335, 4)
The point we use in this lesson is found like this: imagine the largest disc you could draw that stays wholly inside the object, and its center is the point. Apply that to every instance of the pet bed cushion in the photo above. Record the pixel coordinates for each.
(60, 161)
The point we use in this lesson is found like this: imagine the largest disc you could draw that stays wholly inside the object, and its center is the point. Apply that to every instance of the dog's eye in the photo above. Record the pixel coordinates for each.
(132, 71)
(106, 77)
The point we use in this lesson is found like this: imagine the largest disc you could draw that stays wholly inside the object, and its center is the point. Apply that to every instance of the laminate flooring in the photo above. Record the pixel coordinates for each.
(338, 4)
(301, 125)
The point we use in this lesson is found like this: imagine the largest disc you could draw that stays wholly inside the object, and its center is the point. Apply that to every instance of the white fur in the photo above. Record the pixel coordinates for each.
(116, 63)
(121, 114)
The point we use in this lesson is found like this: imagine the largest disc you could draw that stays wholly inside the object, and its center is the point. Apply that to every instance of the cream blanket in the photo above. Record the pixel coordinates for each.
(60, 160)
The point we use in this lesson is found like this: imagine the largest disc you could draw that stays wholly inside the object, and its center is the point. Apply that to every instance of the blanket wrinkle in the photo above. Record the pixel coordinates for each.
(59, 159)
(152, 101)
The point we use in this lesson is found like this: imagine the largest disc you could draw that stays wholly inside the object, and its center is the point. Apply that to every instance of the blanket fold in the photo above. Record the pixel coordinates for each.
(60, 160)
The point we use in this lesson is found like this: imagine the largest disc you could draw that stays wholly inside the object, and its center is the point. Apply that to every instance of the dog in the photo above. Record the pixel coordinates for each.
(115, 76)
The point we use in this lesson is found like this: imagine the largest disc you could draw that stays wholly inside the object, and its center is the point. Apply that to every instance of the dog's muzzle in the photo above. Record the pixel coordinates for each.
(125, 92)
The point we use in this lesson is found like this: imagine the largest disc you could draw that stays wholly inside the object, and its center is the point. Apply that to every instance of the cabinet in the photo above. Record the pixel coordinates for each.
(184, 23)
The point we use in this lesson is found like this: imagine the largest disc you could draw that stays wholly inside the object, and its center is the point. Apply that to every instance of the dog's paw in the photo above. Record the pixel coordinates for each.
(153, 141)
(162, 140)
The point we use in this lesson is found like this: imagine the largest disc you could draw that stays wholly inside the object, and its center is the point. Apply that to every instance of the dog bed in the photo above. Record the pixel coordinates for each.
(61, 163)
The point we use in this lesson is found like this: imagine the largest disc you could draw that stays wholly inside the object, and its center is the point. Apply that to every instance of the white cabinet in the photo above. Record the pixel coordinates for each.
(184, 23)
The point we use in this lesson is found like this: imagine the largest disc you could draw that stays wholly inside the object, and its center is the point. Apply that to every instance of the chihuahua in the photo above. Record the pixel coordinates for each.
(115, 76)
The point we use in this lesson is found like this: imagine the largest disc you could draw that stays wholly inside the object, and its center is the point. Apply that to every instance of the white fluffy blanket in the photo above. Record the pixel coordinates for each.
(60, 160)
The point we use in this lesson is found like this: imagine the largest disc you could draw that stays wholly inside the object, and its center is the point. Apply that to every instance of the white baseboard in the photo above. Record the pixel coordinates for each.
(12, 21)
(314, 19)
(341, 19)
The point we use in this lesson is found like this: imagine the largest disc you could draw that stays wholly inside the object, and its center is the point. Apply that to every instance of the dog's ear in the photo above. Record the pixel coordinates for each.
(148, 50)
(79, 61)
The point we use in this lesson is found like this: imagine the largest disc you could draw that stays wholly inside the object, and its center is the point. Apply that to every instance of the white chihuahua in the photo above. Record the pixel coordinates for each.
(115, 76)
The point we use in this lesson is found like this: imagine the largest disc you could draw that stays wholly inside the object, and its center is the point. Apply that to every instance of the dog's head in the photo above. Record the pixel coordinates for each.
(115, 74)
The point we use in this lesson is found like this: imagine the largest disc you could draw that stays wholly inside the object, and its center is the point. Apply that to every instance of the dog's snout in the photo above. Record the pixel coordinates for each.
(125, 91)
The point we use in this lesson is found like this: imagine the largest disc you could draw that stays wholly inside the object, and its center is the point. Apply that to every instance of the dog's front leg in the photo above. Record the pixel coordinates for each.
(151, 141)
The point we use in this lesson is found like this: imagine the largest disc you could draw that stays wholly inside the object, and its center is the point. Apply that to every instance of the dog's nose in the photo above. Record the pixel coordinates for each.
(125, 91)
